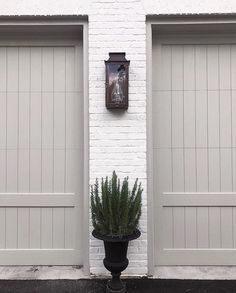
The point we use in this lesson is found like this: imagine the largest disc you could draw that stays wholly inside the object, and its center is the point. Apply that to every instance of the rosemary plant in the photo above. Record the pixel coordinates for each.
(115, 208)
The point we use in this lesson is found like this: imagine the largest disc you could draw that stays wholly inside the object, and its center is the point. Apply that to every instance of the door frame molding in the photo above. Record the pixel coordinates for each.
(71, 24)
(163, 25)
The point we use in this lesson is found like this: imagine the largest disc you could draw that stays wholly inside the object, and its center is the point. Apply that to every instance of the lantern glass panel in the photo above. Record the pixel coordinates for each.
(117, 82)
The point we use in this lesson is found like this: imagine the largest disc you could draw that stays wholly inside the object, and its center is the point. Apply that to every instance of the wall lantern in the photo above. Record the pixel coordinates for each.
(117, 80)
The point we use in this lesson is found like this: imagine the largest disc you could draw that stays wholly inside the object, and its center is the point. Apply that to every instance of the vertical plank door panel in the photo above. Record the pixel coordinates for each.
(163, 163)
(59, 69)
(165, 69)
(225, 119)
(177, 119)
(47, 170)
(233, 118)
(36, 69)
(70, 228)
(11, 228)
(168, 231)
(23, 228)
(11, 171)
(213, 67)
(202, 227)
(213, 119)
(23, 170)
(177, 66)
(191, 227)
(3, 170)
(24, 120)
(70, 69)
(35, 120)
(201, 119)
(189, 119)
(162, 104)
(46, 227)
(227, 227)
(3, 69)
(12, 69)
(190, 170)
(234, 169)
(189, 68)
(47, 69)
(214, 170)
(178, 170)
(233, 66)
(35, 170)
(47, 120)
(179, 227)
(202, 170)
(35, 227)
(226, 170)
(24, 69)
(214, 227)
(58, 228)
(59, 122)
(2, 227)
(59, 171)
(12, 120)
(224, 67)
(201, 67)
(3, 119)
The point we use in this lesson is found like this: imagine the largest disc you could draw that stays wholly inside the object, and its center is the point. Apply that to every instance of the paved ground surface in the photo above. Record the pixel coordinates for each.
(143, 285)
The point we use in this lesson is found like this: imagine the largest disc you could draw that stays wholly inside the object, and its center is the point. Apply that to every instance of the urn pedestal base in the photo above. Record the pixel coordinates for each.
(115, 259)
(115, 285)
(110, 288)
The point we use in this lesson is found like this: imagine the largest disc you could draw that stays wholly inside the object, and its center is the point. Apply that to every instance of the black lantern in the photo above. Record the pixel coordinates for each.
(117, 80)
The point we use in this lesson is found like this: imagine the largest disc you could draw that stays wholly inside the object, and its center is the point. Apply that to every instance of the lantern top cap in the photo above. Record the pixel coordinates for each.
(117, 57)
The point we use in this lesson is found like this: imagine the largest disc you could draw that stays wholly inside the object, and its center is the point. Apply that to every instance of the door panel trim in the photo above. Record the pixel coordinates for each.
(47, 256)
(37, 200)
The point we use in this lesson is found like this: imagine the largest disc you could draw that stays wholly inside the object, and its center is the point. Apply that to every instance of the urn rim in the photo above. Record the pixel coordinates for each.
(136, 234)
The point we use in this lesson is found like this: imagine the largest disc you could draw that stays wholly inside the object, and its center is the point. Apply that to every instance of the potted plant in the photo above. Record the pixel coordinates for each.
(116, 211)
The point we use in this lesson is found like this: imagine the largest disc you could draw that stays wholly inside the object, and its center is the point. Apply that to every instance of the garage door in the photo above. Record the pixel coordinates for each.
(40, 151)
(194, 150)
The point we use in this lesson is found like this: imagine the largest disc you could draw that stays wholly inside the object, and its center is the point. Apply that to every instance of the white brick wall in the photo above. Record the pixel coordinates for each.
(118, 140)
(85, 7)
(189, 6)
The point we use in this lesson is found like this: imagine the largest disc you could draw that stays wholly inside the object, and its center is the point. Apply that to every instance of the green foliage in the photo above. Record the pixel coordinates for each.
(115, 209)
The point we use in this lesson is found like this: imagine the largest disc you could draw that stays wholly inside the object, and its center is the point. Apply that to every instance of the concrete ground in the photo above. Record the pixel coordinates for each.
(71, 279)
(142, 285)
(76, 272)
(41, 273)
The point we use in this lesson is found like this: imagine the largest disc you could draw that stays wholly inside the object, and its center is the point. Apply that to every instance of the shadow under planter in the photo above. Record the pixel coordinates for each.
(116, 259)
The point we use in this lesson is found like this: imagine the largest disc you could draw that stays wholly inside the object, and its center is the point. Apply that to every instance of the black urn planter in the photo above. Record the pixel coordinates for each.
(115, 259)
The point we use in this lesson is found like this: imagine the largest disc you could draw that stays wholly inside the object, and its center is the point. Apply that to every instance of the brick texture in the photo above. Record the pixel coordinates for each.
(189, 6)
(118, 140)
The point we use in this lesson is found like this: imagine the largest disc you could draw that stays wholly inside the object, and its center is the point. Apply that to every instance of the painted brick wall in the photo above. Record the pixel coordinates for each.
(189, 6)
(118, 140)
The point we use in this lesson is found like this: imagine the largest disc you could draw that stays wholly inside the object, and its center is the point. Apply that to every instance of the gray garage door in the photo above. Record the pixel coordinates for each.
(40, 150)
(194, 147)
